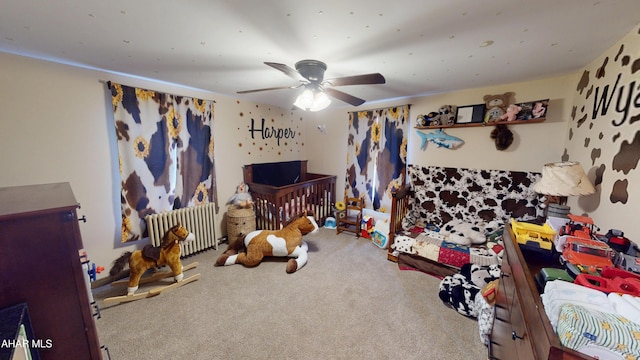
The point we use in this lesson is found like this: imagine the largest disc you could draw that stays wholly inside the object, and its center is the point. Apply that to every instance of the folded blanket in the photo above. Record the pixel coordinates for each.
(597, 333)
(558, 293)
(626, 305)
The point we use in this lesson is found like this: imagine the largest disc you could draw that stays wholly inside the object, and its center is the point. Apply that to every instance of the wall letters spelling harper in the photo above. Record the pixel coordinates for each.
(272, 132)
(602, 105)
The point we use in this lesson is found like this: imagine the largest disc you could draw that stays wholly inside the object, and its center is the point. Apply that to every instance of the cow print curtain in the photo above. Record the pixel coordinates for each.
(377, 155)
(165, 143)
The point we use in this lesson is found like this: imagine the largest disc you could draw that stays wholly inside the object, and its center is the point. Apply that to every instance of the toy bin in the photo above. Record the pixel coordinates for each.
(379, 239)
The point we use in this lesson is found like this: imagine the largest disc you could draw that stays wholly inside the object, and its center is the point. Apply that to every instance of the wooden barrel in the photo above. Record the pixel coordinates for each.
(240, 222)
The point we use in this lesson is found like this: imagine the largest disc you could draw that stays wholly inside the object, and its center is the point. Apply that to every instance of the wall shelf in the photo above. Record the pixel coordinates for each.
(515, 122)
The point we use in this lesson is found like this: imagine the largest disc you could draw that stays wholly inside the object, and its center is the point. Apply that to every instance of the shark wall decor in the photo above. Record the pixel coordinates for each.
(439, 138)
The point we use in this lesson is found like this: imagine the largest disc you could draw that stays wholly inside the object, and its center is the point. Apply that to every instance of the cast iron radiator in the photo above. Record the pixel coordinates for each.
(200, 220)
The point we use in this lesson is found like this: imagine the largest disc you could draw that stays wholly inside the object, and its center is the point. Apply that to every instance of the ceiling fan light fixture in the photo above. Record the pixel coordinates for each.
(305, 100)
(312, 100)
(320, 101)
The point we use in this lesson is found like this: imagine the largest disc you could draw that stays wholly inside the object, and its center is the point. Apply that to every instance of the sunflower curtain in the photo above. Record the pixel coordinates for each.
(377, 155)
(165, 143)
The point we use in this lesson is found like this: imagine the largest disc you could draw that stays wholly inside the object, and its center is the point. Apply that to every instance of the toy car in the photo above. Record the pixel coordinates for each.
(616, 240)
(532, 235)
(579, 226)
(627, 262)
(586, 253)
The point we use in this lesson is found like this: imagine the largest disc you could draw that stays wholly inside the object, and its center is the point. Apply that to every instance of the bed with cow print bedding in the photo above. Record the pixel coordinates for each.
(451, 212)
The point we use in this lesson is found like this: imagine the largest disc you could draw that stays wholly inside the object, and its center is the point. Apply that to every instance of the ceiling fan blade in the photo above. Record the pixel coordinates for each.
(289, 71)
(267, 89)
(349, 99)
(375, 78)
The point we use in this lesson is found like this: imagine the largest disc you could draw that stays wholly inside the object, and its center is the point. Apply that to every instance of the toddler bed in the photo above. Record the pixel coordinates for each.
(466, 205)
(281, 190)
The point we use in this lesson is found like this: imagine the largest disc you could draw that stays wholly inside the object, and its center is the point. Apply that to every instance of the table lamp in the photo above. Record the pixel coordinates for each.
(561, 180)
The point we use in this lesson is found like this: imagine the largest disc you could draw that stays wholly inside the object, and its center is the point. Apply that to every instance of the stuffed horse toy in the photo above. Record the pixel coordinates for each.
(140, 261)
(285, 242)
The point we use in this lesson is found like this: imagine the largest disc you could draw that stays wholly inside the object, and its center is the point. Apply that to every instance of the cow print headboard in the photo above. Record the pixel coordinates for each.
(442, 194)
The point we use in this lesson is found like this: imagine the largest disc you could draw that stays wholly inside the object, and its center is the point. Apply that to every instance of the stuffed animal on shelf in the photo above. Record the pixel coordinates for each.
(512, 112)
(242, 198)
(149, 257)
(496, 105)
(426, 119)
(285, 242)
(446, 116)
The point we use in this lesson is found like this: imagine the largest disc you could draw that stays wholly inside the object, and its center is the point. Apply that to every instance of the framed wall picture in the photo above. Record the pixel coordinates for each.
(533, 110)
(470, 114)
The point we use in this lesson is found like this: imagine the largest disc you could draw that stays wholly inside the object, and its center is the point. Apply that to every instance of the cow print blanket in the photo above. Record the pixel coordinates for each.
(442, 194)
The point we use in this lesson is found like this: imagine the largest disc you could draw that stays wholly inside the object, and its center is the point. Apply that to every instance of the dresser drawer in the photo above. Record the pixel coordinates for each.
(521, 329)
(501, 346)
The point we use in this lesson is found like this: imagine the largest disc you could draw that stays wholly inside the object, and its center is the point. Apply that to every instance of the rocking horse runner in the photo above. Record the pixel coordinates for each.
(140, 261)
(284, 242)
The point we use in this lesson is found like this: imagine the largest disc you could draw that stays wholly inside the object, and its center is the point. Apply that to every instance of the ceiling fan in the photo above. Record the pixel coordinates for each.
(310, 74)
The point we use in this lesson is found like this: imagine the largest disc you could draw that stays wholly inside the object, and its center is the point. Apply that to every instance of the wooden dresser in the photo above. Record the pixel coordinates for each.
(40, 266)
(521, 328)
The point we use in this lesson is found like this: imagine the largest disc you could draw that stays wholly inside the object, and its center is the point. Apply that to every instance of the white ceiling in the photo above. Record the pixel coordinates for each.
(420, 46)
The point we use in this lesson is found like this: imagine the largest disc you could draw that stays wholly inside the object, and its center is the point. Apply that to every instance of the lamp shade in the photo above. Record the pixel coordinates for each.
(564, 179)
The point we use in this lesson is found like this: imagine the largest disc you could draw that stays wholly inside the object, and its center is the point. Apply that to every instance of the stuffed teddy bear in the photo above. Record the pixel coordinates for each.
(512, 111)
(496, 106)
(446, 116)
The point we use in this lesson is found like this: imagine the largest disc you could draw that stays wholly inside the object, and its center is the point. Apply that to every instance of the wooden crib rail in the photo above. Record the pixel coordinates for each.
(399, 208)
(274, 205)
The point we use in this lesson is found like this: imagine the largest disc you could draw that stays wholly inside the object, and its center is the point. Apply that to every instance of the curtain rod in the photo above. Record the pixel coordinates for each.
(108, 82)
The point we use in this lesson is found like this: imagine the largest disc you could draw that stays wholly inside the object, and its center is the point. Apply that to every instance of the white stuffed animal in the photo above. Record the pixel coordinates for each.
(403, 244)
(463, 233)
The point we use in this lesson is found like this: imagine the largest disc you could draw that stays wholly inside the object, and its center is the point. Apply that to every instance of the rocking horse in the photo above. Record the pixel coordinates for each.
(149, 257)
(285, 242)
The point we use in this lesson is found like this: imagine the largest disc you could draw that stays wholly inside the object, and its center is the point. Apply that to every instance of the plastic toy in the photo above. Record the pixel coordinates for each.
(579, 226)
(586, 253)
(149, 257)
(285, 242)
(532, 235)
(94, 271)
(612, 280)
(616, 240)
(627, 262)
